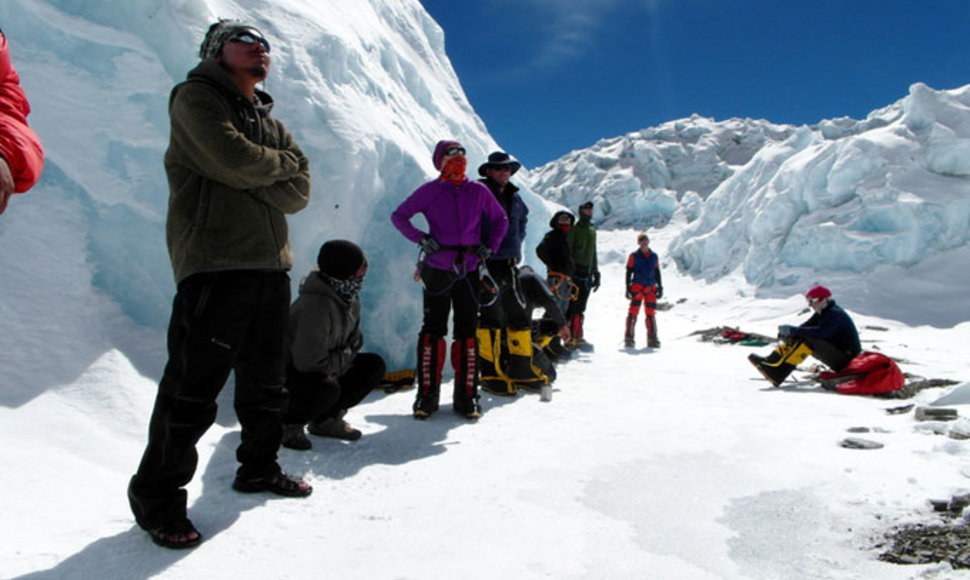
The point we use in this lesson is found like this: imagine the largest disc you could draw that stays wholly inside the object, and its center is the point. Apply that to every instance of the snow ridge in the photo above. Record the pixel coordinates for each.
(786, 205)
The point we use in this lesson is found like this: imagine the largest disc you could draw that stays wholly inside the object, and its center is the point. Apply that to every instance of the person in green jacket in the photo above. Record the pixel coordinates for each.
(234, 173)
(586, 274)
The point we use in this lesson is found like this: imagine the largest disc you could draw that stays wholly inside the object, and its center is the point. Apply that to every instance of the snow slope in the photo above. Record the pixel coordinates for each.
(678, 463)
(365, 87)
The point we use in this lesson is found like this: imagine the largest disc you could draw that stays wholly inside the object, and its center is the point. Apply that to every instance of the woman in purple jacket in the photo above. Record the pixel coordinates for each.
(455, 209)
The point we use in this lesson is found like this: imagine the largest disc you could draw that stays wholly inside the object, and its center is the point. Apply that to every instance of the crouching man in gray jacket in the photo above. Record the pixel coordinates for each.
(326, 372)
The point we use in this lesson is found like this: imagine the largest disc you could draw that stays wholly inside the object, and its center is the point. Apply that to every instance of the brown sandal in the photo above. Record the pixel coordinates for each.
(280, 484)
(177, 535)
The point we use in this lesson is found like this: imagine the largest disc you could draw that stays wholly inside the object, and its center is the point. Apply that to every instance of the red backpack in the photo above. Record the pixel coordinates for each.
(872, 373)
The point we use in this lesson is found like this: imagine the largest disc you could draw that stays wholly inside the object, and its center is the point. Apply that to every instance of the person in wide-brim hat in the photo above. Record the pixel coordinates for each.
(499, 159)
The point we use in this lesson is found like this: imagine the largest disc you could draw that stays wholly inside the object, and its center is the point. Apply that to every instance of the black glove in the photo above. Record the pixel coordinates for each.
(660, 292)
(629, 293)
(429, 245)
(596, 280)
(785, 330)
(483, 252)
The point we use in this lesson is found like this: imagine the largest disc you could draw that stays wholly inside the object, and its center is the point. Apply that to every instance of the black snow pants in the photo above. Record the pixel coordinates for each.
(316, 397)
(233, 321)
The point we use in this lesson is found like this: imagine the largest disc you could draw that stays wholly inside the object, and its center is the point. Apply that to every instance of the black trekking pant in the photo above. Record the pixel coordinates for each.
(833, 357)
(583, 278)
(507, 311)
(444, 290)
(221, 322)
(314, 396)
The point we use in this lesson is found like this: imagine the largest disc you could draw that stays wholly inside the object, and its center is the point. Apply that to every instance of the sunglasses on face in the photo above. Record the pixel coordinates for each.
(249, 38)
(455, 151)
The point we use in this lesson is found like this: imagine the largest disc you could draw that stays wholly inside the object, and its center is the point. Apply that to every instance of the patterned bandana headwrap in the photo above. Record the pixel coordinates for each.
(218, 34)
(346, 289)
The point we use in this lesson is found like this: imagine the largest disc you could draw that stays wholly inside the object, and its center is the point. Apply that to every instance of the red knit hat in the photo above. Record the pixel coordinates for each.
(818, 292)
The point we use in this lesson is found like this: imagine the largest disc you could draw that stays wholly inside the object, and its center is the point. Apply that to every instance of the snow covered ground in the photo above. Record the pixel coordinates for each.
(677, 463)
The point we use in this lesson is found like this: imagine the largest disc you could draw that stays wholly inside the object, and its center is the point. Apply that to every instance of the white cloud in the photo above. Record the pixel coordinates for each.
(570, 28)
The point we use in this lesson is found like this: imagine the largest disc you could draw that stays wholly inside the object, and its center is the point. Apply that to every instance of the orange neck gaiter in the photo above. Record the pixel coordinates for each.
(454, 170)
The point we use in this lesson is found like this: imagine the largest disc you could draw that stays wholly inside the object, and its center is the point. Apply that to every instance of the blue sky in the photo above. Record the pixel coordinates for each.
(550, 76)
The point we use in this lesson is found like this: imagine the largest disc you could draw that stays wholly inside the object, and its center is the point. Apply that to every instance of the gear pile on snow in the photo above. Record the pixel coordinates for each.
(728, 335)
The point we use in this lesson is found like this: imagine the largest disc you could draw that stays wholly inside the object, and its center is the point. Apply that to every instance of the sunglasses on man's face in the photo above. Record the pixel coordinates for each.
(455, 151)
(249, 38)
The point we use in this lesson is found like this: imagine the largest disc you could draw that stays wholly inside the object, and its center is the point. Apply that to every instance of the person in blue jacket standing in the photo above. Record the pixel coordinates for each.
(643, 287)
(504, 335)
(508, 310)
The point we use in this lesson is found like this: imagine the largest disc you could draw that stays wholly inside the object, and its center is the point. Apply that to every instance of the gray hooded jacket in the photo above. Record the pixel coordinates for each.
(324, 329)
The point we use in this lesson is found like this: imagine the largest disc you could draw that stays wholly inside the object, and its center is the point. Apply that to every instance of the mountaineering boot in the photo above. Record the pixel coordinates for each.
(781, 362)
(518, 343)
(464, 358)
(524, 369)
(652, 340)
(469, 408)
(774, 374)
(631, 323)
(295, 438)
(398, 380)
(334, 427)
(493, 362)
(575, 330)
(431, 359)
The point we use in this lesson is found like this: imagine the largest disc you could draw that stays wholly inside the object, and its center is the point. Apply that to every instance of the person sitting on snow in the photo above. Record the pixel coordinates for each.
(551, 328)
(514, 360)
(829, 335)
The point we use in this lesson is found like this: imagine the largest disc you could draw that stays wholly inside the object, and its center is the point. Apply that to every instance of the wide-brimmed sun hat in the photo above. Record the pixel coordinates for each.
(498, 159)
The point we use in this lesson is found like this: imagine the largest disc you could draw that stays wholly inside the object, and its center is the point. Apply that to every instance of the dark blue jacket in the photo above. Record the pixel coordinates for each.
(643, 269)
(518, 214)
(833, 325)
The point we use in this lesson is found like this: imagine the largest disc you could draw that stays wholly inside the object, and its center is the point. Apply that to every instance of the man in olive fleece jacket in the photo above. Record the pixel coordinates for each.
(233, 172)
